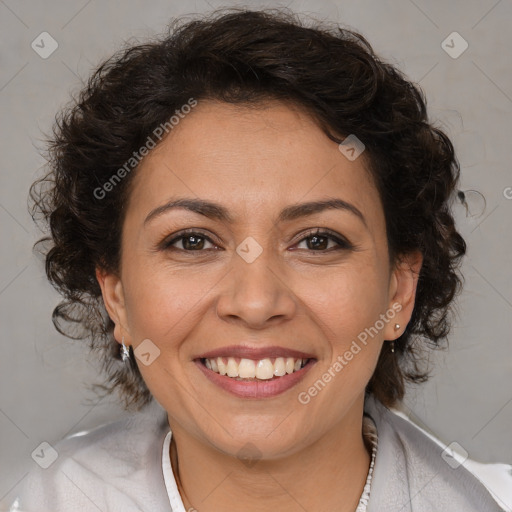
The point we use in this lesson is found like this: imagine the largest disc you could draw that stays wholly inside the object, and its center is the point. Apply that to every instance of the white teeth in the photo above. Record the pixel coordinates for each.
(247, 369)
(279, 367)
(232, 368)
(221, 366)
(263, 369)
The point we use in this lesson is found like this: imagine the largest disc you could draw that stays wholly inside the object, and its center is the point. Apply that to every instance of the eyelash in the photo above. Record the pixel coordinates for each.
(343, 244)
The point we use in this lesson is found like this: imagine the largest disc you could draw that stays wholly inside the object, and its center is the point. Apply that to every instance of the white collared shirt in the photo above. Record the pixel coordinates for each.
(121, 466)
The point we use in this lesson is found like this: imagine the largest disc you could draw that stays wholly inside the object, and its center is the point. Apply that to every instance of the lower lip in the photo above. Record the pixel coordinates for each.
(256, 388)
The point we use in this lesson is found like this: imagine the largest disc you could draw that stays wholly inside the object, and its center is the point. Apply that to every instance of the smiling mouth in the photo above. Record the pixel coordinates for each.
(243, 369)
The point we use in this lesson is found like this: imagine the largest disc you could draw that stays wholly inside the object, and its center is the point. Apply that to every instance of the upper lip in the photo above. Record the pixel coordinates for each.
(255, 353)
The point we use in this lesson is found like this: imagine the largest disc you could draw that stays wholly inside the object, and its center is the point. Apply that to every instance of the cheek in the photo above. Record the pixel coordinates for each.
(169, 306)
(346, 307)
(347, 300)
(159, 301)
(164, 307)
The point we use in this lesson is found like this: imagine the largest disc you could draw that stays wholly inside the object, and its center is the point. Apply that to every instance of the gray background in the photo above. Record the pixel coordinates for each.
(43, 376)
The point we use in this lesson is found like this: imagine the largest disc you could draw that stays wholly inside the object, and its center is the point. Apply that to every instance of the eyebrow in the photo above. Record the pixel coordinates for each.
(218, 212)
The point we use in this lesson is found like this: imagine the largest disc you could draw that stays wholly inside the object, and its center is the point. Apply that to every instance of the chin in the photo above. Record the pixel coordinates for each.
(266, 441)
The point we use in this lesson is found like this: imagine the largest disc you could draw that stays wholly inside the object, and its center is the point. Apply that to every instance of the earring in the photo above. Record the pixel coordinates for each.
(397, 326)
(125, 353)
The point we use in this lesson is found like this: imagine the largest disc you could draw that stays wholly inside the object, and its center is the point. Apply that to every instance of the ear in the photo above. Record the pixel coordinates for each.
(113, 298)
(402, 292)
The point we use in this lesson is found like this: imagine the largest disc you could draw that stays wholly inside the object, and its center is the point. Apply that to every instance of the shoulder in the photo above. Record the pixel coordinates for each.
(415, 472)
(116, 466)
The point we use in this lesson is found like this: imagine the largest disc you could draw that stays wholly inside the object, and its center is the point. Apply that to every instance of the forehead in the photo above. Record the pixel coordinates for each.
(251, 158)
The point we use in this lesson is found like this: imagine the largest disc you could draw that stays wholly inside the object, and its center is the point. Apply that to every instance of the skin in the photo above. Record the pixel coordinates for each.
(255, 162)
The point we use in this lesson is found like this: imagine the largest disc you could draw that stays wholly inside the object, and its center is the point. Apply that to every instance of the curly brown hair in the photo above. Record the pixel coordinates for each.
(244, 56)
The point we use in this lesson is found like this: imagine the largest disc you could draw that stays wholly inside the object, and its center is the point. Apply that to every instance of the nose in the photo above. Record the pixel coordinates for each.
(256, 294)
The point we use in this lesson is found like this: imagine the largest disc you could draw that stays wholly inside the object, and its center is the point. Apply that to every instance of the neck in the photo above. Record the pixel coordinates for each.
(327, 475)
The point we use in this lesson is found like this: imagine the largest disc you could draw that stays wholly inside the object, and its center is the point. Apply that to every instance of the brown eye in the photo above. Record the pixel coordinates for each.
(319, 241)
(189, 241)
(193, 242)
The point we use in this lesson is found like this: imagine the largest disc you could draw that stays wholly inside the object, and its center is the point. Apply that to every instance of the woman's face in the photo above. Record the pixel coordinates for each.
(260, 280)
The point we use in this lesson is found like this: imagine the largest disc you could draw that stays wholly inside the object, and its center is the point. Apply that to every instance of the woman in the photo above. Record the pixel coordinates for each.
(250, 220)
